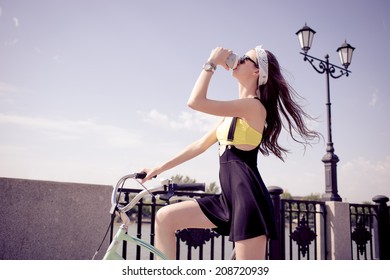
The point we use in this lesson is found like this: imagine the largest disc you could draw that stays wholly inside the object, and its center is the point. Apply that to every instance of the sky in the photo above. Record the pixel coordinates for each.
(95, 89)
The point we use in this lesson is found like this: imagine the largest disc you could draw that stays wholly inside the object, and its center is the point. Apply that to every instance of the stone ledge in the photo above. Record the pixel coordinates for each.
(52, 220)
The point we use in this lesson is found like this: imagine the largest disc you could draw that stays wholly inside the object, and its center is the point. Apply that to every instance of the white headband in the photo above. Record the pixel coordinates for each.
(263, 65)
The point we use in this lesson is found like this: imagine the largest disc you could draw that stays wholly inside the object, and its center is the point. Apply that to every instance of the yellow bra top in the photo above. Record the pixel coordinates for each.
(241, 132)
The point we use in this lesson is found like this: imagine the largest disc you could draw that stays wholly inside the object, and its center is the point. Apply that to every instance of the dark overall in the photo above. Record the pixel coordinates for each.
(244, 208)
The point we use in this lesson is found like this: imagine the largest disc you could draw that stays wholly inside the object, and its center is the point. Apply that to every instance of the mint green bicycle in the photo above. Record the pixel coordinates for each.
(166, 187)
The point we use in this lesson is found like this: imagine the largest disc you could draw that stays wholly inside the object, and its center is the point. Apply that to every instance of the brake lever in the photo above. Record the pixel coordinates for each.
(166, 196)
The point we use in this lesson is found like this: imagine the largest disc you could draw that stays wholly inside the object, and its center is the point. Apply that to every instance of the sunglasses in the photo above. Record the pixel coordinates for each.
(245, 58)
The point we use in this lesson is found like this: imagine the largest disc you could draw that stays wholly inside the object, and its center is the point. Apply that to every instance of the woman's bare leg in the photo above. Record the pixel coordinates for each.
(251, 249)
(169, 219)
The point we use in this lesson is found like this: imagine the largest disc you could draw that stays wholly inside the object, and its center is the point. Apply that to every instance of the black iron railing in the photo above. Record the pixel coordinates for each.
(363, 221)
(370, 230)
(304, 222)
(302, 230)
(202, 241)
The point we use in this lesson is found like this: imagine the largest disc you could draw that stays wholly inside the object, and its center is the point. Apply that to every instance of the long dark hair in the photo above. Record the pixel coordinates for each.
(280, 100)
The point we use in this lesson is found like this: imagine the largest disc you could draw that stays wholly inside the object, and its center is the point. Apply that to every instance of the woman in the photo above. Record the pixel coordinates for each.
(252, 122)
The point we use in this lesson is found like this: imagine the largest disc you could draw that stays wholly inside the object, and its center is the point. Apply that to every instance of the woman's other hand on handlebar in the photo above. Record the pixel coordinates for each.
(150, 173)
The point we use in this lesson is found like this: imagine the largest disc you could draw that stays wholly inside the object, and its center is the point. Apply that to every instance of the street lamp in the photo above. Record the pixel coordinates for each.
(305, 36)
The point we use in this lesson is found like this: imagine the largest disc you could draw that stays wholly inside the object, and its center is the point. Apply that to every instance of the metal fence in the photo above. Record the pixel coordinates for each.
(364, 237)
(302, 229)
(370, 230)
(303, 222)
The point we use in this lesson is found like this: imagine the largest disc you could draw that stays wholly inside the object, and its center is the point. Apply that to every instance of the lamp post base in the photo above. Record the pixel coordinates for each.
(331, 197)
(330, 160)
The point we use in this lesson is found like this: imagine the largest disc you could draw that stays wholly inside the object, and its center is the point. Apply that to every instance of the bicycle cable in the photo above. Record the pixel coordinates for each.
(110, 224)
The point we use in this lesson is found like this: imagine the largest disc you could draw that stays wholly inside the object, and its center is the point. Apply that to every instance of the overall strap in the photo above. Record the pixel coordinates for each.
(232, 128)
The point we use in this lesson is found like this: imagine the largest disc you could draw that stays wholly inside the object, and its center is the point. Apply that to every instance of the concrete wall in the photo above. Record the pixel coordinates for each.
(52, 220)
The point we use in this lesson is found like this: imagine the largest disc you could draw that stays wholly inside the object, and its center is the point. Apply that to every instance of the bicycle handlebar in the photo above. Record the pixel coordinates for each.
(165, 186)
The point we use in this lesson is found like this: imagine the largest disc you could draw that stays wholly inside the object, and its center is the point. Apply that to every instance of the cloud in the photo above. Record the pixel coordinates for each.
(185, 120)
(71, 130)
(13, 42)
(16, 21)
(6, 89)
(8, 92)
(361, 179)
(67, 150)
(374, 97)
(56, 58)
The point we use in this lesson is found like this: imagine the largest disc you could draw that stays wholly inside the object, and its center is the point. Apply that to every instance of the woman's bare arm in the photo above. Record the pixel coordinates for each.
(191, 151)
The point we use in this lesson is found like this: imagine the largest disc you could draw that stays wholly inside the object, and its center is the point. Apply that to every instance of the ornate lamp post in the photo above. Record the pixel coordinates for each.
(305, 36)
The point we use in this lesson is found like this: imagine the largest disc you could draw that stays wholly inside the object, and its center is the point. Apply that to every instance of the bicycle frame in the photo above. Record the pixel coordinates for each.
(122, 235)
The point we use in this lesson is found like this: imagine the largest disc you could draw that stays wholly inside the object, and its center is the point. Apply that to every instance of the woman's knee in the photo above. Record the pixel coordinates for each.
(164, 217)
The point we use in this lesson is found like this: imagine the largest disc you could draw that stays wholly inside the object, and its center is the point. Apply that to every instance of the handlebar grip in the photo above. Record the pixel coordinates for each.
(190, 187)
(142, 175)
